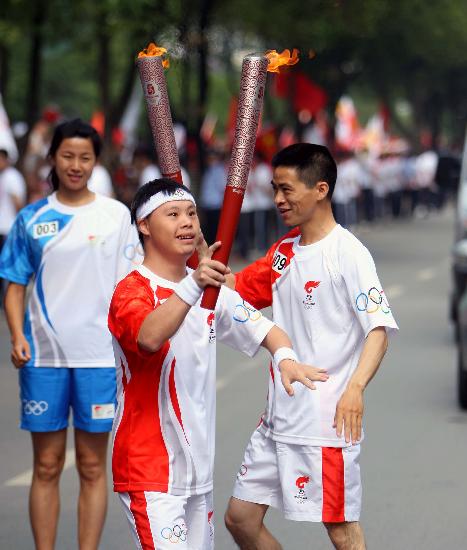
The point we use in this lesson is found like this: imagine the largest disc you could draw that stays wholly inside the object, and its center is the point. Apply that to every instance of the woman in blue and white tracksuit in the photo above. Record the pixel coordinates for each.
(71, 248)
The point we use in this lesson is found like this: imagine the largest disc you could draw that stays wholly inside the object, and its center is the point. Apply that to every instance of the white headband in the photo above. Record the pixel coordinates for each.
(161, 198)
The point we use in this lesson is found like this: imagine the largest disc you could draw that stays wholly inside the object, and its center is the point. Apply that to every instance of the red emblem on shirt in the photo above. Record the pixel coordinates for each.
(309, 287)
(212, 332)
(302, 481)
(162, 294)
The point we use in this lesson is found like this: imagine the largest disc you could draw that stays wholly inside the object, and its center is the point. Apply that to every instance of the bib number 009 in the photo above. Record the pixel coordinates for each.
(279, 262)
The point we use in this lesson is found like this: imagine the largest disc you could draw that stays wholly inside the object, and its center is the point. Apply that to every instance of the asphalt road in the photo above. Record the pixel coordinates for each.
(415, 454)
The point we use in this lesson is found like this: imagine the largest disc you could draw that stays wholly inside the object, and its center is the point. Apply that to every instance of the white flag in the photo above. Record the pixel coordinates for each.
(7, 140)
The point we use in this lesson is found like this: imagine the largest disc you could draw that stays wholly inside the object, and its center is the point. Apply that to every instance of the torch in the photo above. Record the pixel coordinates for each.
(151, 66)
(250, 102)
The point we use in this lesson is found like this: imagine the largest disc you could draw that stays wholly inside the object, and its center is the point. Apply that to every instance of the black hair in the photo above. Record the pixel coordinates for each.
(144, 193)
(4, 153)
(313, 163)
(70, 129)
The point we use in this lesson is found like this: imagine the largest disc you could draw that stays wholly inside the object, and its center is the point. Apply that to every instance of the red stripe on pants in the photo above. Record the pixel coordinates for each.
(333, 484)
(138, 507)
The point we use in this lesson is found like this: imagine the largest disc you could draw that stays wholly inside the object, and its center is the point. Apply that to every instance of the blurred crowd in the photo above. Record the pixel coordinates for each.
(369, 189)
(392, 185)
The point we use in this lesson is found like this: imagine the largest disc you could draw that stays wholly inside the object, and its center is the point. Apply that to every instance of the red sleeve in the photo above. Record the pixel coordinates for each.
(254, 283)
(132, 302)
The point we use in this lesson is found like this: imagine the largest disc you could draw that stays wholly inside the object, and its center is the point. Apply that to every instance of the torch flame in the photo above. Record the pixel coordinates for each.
(277, 60)
(155, 51)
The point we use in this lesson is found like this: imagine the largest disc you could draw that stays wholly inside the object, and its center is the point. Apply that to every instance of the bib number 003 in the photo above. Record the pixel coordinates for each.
(45, 229)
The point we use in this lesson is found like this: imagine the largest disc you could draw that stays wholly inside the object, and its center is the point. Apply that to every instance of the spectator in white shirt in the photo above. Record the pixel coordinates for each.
(101, 182)
(349, 180)
(264, 209)
(145, 166)
(12, 194)
(148, 170)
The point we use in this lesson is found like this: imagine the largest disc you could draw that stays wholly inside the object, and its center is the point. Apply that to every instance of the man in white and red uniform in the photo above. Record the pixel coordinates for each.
(164, 343)
(324, 290)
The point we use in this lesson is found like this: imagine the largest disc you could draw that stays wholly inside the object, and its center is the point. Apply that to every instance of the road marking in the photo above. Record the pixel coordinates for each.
(24, 479)
(426, 274)
(394, 291)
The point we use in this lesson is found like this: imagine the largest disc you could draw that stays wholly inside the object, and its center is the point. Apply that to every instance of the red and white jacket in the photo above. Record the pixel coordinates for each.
(164, 429)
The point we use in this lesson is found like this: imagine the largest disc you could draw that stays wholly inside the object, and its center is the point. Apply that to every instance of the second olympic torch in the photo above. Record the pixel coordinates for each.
(151, 71)
(250, 103)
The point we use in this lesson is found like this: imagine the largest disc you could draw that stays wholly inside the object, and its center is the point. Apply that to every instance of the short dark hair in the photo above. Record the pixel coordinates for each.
(313, 163)
(144, 193)
(70, 129)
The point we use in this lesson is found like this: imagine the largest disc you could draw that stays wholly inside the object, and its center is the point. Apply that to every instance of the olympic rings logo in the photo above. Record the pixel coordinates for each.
(132, 251)
(175, 534)
(244, 312)
(372, 302)
(35, 407)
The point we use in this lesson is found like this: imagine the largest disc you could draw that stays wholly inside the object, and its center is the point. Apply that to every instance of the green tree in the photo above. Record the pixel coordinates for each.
(413, 50)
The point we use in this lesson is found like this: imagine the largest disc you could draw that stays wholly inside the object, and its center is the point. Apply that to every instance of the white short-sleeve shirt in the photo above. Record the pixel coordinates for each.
(327, 297)
(74, 257)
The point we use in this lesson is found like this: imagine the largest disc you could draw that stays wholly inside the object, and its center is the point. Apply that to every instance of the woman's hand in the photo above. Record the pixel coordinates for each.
(20, 351)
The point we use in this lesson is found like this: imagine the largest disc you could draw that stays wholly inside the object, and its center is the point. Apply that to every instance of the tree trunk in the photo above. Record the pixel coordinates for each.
(4, 71)
(103, 72)
(185, 107)
(203, 80)
(35, 63)
(434, 113)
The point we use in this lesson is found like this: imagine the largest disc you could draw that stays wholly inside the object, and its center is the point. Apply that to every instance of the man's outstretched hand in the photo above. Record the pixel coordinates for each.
(291, 372)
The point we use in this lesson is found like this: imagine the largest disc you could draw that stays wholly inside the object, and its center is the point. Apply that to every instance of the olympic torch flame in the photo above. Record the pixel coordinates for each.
(277, 60)
(155, 51)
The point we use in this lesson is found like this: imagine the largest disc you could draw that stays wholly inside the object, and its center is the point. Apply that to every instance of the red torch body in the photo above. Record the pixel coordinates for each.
(250, 102)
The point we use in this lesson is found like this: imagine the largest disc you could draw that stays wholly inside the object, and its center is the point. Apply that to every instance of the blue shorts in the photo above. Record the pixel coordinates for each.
(48, 393)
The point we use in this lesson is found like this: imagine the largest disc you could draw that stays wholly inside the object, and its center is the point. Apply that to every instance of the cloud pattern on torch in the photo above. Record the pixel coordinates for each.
(252, 85)
(154, 85)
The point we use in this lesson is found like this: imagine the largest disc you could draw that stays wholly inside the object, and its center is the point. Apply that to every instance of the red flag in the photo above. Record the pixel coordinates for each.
(307, 96)
(267, 143)
(98, 122)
